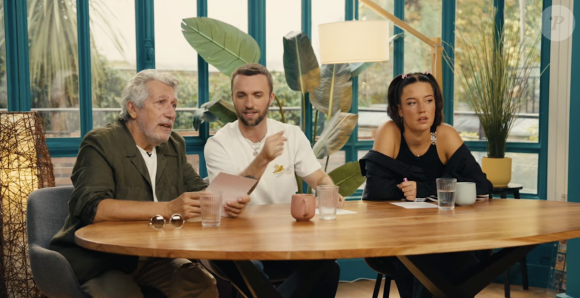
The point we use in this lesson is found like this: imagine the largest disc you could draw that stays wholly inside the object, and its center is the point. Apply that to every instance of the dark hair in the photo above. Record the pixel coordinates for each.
(396, 90)
(252, 69)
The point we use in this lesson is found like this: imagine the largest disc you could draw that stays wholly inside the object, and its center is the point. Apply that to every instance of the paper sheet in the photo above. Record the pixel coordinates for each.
(415, 205)
(340, 211)
(231, 186)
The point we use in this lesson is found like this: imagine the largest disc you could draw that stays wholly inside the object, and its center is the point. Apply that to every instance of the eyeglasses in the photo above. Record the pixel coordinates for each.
(157, 222)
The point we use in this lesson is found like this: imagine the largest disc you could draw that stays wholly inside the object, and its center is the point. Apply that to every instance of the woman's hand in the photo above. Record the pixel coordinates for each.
(409, 189)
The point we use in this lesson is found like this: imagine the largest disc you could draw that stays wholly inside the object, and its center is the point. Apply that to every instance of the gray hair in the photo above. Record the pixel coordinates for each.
(137, 92)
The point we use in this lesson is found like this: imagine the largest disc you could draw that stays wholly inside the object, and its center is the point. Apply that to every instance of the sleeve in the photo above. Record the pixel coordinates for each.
(465, 168)
(425, 189)
(381, 184)
(92, 178)
(217, 159)
(305, 162)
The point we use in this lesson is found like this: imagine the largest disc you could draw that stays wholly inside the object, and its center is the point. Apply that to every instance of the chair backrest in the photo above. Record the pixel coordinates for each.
(46, 213)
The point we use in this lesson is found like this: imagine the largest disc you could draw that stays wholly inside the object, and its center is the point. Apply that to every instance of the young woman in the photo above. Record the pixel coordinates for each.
(417, 146)
(409, 154)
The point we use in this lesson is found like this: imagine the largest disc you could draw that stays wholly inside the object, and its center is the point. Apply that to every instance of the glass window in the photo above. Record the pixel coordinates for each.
(526, 127)
(282, 17)
(325, 11)
(3, 94)
(174, 54)
(373, 83)
(524, 169)
(235, 13)
(52, 31)
(193, 159)
(425, 16)
(113, 55)
(63, 167)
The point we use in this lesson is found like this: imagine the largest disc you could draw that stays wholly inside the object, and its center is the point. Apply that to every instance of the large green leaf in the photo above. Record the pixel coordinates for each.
(221, 45)
(202, 115)
(214, 111)
(300, 64)
(348, 178)
(335, 134)
(222, 109)
(335, 89)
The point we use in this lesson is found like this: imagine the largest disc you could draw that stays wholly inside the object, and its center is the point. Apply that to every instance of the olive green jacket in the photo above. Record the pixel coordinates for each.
(109, 165)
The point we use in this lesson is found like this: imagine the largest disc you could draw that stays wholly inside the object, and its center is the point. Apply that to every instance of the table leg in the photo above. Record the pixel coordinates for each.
(517, 194)
(472, 282)
(257, 283)
(246, 277)
(524, 266)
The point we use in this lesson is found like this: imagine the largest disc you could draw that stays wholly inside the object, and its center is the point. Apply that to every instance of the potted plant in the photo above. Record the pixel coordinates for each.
(492, 68)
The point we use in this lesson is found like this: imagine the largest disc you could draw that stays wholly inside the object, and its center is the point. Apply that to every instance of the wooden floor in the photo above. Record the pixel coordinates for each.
(364, 289)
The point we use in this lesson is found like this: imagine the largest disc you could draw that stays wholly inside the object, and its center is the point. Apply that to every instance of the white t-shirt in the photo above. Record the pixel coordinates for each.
(151, 162)
(228, 151)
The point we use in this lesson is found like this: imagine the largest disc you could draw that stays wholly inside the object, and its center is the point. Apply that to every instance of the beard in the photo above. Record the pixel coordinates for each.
(254, 122)
(152, 136)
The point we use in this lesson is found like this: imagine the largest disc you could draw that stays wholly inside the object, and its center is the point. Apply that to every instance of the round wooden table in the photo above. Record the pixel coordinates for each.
(269, 232)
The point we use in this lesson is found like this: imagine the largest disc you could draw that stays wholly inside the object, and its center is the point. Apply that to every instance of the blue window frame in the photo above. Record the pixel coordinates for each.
(18, 82)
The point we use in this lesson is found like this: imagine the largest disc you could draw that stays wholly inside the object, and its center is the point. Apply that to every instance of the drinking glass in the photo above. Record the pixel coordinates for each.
(327, 201)
(211, 209)
(446, 193)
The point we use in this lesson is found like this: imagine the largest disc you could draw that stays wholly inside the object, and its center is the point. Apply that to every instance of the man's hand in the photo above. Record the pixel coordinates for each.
(235, 208)
(340, 201)
(273, 146)
(187, 204)
(409, 189)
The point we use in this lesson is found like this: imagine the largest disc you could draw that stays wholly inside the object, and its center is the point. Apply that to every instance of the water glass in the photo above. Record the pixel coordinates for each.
(327, 201)
(446, 193)
(211, 208)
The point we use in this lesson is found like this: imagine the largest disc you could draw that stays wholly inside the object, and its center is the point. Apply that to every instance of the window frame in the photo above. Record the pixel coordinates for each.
(18, 81)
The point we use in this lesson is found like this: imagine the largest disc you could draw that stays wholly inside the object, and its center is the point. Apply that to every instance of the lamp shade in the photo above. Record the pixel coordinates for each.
(354, 41)
(25, 166)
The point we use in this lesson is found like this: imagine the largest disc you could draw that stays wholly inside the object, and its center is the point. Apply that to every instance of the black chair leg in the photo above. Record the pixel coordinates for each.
(387, 288)
(377, 285)
(506, 283)
(524, 267)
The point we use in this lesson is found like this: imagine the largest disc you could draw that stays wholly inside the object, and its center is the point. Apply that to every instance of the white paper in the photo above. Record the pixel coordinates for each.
(415, 205)
(231, 186)
(339, 211)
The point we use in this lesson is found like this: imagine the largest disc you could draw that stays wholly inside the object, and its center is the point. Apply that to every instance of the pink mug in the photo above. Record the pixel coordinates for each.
(303, 206)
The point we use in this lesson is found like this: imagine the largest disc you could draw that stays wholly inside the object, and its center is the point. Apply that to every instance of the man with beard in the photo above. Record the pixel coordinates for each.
(134, 169)
(273, 153)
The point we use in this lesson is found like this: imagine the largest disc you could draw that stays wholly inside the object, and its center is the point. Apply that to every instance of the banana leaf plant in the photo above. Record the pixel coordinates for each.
(300, 66)
(220, 44)
(213, 111)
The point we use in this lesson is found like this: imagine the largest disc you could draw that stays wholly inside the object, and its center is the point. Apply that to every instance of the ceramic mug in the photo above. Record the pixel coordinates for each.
(465, 193)
(303, 206)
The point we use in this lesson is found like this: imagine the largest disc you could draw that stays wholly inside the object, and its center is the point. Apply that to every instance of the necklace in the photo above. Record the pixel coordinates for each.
(432, 141)
(255, 146)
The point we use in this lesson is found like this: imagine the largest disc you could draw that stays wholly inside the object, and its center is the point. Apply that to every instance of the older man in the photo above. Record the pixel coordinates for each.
(272, 152)
(134, 169)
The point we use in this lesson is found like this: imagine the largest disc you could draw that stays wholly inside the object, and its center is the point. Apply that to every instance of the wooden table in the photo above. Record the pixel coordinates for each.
(269, 232)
